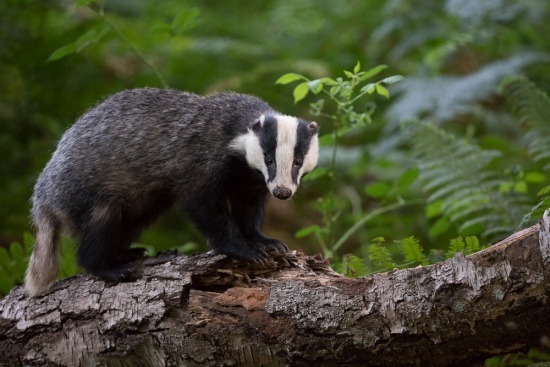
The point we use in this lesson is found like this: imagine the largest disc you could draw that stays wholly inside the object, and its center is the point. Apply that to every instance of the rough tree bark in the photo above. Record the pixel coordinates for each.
(207, 310)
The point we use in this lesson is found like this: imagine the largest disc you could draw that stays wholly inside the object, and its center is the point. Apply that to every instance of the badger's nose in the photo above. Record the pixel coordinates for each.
(282, 193)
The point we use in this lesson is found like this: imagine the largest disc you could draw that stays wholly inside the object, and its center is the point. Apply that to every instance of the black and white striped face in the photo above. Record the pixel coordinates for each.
(283, 148)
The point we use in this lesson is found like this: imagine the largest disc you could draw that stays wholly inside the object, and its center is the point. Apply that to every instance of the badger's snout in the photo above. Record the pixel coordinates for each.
(281, 192)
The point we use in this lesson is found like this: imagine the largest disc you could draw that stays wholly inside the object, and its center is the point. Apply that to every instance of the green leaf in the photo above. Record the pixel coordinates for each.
(326, 140)
(94, 35)
(315, 174)
(304, 232)
(316, 86)
(439, 227)
(372, 72)
(5, 259)
(329, 81)
(62, 51)
(185, 20)
(377, 189)
(520, 186)
(392, 79)
(300, 92)
(407, 178)
(28, 242)
(161, 28)
(535, 177)
(380, 89)
(433, 209)
(349, 74)
(369, 88)
(289, 78)
(544, 191)
(357, 67)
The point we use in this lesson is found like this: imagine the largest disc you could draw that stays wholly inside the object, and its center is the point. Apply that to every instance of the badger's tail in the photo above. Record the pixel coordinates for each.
(44, 262)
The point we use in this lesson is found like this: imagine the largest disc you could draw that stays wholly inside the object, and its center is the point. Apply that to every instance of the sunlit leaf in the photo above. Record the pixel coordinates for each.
(300, 92)
(316, 86)
(380, 89)
(289, 78)
(62, 51)
(304, 232)
(185, 20)
(408, 177)
(392, 79)
(377, 189)
(372, 72)
(357, 67)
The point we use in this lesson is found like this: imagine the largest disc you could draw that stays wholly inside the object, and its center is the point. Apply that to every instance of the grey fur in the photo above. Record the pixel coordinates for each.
(136, 152)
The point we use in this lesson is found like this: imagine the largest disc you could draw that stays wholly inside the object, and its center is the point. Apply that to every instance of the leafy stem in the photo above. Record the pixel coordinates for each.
(100, 12)
(344, 93)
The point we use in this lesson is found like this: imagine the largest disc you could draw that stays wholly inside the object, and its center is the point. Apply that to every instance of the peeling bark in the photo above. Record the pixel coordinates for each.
(208, 310)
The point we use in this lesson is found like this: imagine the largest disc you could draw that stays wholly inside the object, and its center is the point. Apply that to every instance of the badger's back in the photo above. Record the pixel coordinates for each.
(142, 140)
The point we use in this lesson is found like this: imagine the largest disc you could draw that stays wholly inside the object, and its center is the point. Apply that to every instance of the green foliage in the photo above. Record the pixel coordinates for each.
(380, 256)
(534, 358)
(414, 255)
(351, 266)
(532, 106)
(345, 93)
(14, 260)
(404, 253)
(462, 188)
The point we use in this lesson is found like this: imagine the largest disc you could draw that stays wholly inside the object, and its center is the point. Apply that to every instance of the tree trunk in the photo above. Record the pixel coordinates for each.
(208, 310)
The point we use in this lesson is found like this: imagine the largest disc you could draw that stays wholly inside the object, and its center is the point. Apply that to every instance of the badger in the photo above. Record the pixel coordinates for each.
(131, 157)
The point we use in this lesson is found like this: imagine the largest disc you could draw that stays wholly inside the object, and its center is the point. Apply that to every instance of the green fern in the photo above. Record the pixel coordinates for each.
(380, 256)
(456, 176)
(467, 245)
(414, 254)
(532, 106)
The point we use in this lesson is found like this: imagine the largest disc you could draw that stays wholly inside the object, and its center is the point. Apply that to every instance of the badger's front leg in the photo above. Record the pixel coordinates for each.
(214, 219)
(247, 209)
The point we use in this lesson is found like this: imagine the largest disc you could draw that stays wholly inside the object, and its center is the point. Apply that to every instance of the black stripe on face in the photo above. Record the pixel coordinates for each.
(303, 139)
(268, 141)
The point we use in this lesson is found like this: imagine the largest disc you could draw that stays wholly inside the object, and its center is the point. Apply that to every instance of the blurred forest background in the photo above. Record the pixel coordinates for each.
(455, 159)
(451, 158)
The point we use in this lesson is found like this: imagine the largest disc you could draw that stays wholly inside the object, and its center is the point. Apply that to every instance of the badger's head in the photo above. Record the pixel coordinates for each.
(283, 149)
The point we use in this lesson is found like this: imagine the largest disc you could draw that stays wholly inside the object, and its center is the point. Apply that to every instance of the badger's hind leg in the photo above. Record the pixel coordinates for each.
(106, 237)
(104, 248)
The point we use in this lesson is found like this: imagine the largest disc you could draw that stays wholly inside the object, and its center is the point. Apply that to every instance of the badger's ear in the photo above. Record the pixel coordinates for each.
(313, 128)
(257, 125)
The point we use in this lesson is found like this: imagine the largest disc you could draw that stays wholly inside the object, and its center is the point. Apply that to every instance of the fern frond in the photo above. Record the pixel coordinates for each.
(412, 250)
(380, 257)
(532, 106)
(455, 173)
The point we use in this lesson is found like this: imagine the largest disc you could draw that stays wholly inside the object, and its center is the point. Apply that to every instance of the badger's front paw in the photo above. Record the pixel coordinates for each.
(243, 249)
(274, 245)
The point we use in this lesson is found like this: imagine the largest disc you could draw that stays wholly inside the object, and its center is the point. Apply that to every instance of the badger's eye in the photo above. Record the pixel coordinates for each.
(298, 162)
(269, 161)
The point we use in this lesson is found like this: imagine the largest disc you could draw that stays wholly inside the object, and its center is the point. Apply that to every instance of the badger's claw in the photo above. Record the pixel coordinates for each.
(274, 245)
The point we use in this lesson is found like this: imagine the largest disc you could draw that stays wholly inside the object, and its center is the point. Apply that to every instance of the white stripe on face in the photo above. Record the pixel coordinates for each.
(284, 156)
(249, 145)
(310, 160)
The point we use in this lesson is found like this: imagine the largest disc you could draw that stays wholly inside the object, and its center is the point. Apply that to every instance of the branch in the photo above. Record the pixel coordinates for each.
(208, 310)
